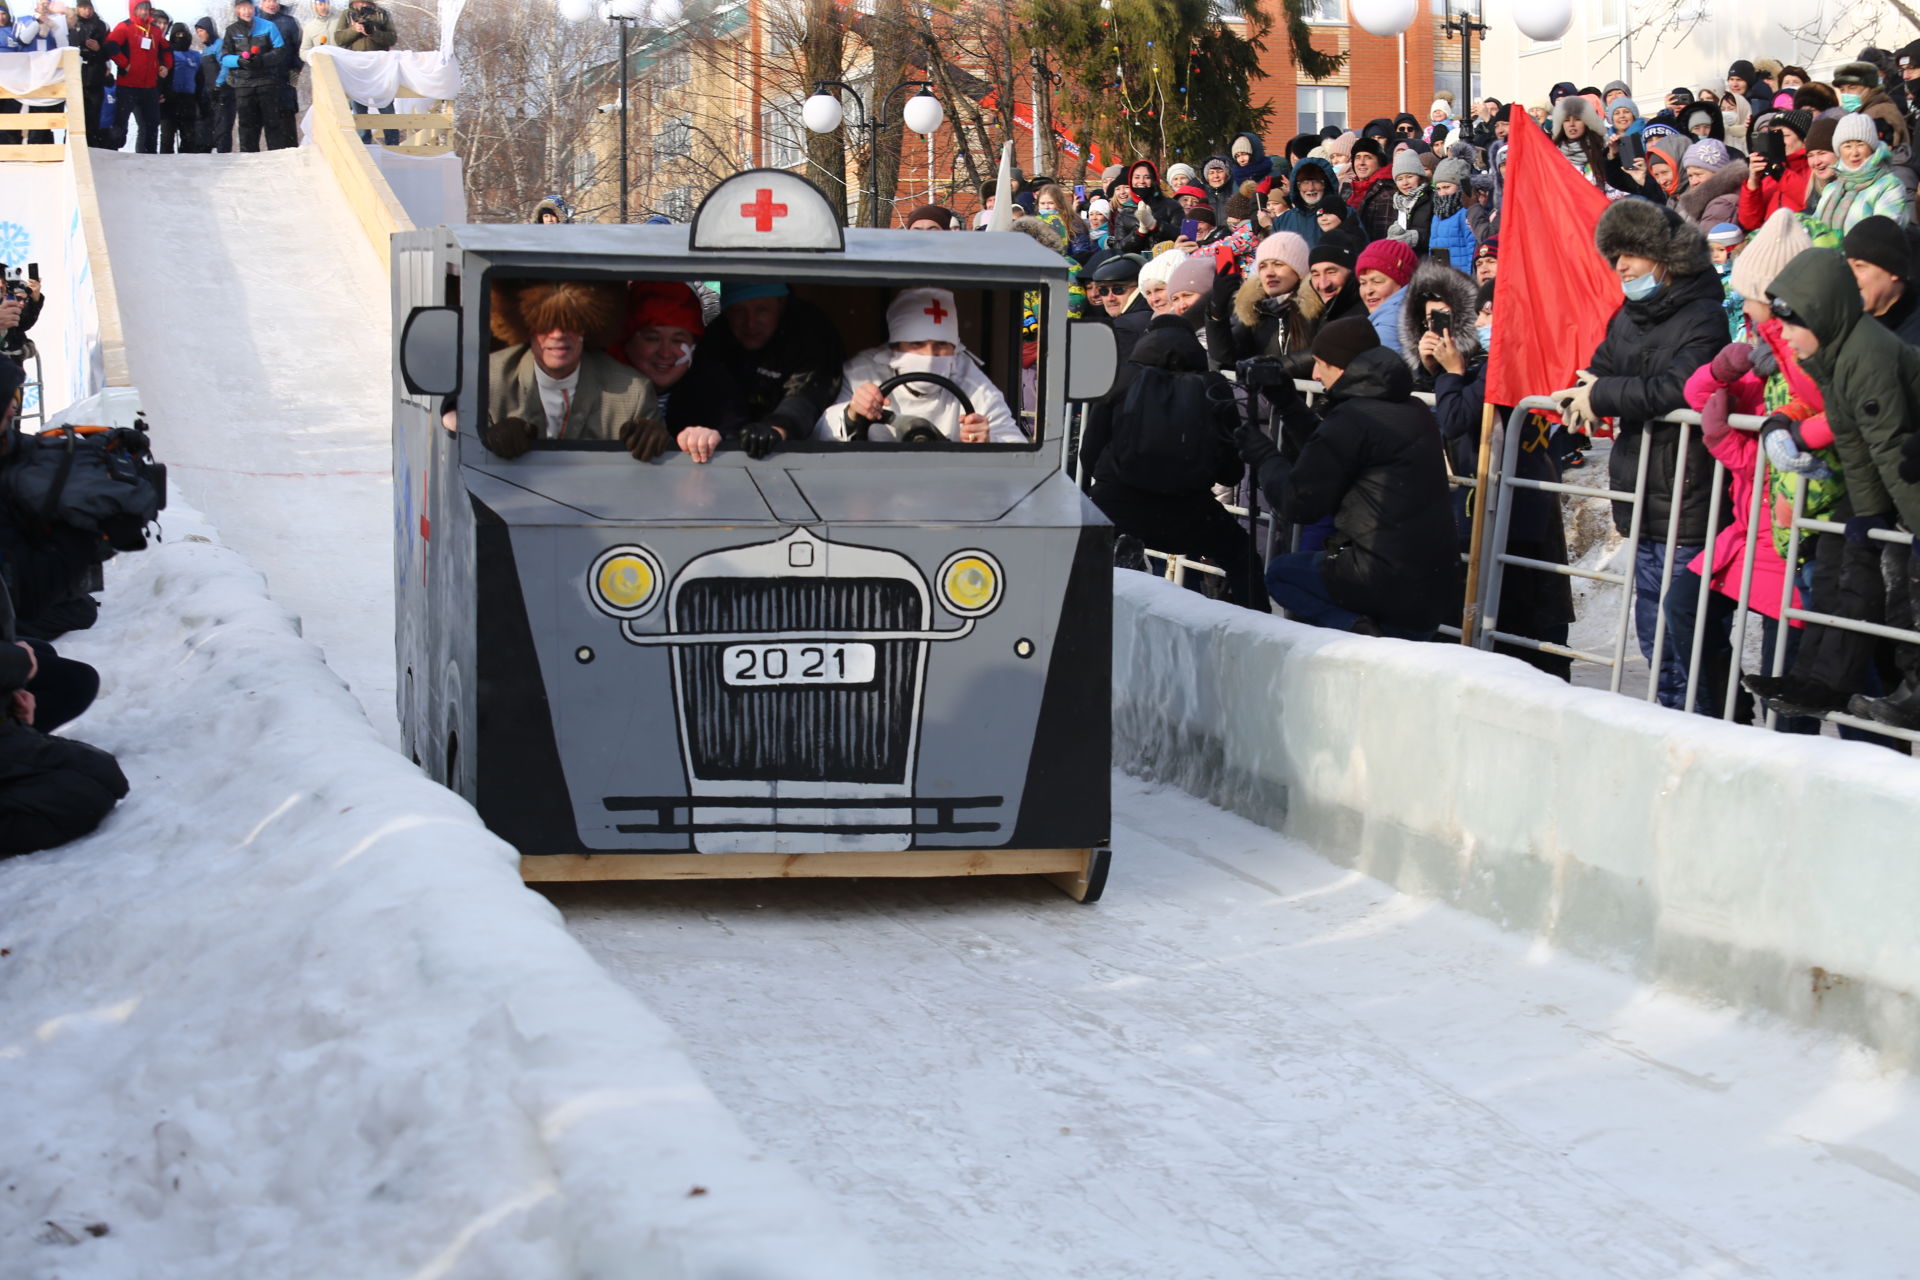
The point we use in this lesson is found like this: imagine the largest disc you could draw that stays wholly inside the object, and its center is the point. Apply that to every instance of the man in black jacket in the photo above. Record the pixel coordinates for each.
(1374, 464)
(764, 375)
(87, 33)
(1881, 257)
(1128, 445)
(288, 71)
(1672, 322)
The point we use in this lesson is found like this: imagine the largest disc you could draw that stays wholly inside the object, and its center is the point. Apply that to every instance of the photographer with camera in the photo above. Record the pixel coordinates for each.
(20, 305)
(52, 789)
(1777, 172)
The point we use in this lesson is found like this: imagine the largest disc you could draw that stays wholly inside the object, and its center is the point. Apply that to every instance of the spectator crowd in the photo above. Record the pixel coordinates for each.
(1762, 238)
(188, 89)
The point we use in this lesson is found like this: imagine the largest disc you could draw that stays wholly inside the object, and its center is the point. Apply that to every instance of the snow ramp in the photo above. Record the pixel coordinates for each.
(255, 322)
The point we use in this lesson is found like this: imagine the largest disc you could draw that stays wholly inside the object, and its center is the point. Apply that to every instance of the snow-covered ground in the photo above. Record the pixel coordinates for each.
(290, 1013)
(1247, 1062)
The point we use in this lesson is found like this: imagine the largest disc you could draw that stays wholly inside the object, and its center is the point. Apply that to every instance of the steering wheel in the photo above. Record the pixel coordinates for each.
(921, 431)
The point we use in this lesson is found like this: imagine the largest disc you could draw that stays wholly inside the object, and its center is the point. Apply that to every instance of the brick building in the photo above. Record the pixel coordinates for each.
(1378, 80)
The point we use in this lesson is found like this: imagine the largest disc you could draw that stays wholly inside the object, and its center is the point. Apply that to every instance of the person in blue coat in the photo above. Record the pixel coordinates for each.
(1251, 163)
(1313, 183)
(1450, 233)
(252, 51)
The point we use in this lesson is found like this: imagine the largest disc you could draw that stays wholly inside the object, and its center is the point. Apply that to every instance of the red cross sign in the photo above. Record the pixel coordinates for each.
(938, 312)
(763, 210)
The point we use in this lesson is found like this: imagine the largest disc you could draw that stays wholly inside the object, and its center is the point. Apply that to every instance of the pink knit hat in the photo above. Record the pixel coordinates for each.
(1390, 258)
(1288, 246)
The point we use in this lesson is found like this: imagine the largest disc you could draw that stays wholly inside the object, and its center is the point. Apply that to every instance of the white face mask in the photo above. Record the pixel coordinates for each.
(913, 362)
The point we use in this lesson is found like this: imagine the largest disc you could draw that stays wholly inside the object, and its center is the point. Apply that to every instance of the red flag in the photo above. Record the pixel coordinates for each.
(1556, 292)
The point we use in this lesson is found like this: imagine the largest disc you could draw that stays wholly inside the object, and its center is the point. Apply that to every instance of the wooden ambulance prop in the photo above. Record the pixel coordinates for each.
(845, 659)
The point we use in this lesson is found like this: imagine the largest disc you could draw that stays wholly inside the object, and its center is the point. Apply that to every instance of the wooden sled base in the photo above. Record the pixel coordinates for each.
(1080, 873)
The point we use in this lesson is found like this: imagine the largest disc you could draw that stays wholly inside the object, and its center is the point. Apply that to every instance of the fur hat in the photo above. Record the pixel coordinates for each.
(1044, 233)
(1436, 282)
(1780, 240)
(1575, 105)
(1657, 232)
(1855, 128)
(591, 309)
(1160, 269)
(1860, 73)
(1287, 246)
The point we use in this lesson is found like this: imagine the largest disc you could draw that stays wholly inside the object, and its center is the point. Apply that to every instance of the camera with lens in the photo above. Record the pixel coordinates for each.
(1263, 373)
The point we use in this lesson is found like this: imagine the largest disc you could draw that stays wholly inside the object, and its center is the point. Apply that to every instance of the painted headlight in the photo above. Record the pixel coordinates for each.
(625, 582)
(970, 583)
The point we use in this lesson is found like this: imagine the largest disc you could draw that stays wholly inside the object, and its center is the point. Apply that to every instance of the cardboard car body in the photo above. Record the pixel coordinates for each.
(842, 659)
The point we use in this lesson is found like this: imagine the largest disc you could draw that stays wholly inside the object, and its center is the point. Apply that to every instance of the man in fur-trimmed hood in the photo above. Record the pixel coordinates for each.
(554, 382)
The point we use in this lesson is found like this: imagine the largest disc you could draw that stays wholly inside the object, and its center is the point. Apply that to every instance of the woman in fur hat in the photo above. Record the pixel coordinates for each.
(1580, 134)
(554, 381)
(1671, 324)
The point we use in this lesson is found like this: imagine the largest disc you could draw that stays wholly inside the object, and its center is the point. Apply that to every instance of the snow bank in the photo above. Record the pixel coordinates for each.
(1766, 870)
(291, 1013)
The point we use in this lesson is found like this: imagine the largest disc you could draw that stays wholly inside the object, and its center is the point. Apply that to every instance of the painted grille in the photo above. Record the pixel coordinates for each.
(858, 733)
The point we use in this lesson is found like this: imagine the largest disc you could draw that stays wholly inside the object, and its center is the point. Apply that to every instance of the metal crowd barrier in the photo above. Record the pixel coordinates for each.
(1495, 560)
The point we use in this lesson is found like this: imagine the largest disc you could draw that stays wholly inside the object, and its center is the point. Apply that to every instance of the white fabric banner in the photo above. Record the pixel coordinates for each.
(41, 224)
(450, 11)
(432, 189)
(377, 78)
(20, 72)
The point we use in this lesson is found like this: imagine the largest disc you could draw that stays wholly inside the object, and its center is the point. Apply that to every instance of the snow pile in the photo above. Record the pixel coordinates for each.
(1762, 869)
(291, 1013)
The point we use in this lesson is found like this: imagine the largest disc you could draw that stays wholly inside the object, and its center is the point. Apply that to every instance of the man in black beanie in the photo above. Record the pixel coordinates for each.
(1330, 272)
(1881, 256)
(1374, 466)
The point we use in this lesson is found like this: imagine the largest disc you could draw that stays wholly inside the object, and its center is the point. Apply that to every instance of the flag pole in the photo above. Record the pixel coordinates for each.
(1470, 614)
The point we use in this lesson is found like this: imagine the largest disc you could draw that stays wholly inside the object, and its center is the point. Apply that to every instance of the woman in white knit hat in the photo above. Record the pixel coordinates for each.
(1154, 277)
(1864, 183)
(923, 336)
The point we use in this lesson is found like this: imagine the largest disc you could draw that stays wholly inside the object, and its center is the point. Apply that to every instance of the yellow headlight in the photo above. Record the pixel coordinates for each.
(970, 582)
(625, 582)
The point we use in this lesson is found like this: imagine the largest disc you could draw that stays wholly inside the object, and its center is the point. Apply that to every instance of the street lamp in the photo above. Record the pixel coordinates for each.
(822, 113)
(1466, 26)
(623, 14)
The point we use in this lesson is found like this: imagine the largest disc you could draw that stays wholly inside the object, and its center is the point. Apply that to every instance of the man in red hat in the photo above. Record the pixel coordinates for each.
(664, 321)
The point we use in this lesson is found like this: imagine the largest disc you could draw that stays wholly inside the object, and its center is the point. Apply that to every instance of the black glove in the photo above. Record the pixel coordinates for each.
(1859, 526)
(646, 438)
(1910, 460)
(760, 439)
(510, 437)
(1255, 445)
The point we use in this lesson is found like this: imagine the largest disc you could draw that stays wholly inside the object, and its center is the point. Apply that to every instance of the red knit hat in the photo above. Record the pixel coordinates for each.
(1390, 258)
(1188, 189)
(651, 302)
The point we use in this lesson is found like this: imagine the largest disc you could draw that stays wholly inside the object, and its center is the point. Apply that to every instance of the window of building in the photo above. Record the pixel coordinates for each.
(782, 147)
(585, 164)
(678, 204)
(1320, 105)
(676, 68)
(675, 140)
(1325, 12)
(1603, 17)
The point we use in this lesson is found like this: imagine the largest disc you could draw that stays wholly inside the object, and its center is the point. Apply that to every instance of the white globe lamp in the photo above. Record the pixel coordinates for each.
(626, 10)
(1544, 19)
(1384, 17)
(821, 113)
(578, 10)
(923, 113)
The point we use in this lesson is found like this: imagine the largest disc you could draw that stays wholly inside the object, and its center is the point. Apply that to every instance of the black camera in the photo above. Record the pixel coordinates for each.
(1261, 373)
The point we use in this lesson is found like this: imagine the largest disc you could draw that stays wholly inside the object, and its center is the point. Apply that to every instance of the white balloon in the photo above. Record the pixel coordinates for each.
(1384, 17)
(923, 113)
(1544, 19)
(578, 10)
(821, 113)
(665, 13)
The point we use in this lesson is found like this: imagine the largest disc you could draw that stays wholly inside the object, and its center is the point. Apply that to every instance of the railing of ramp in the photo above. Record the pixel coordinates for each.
(54, 104)
(1481, 608)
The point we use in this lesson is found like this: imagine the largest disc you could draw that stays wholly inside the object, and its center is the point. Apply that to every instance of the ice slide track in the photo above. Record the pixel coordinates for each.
(1244, 1062)
(254, 316)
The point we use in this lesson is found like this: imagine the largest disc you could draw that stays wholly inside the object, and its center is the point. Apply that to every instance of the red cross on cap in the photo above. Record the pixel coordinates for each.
(763, 210)
(938, 312)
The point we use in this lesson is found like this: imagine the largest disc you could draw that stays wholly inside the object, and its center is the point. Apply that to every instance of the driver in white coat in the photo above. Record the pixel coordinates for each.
(923, 336)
